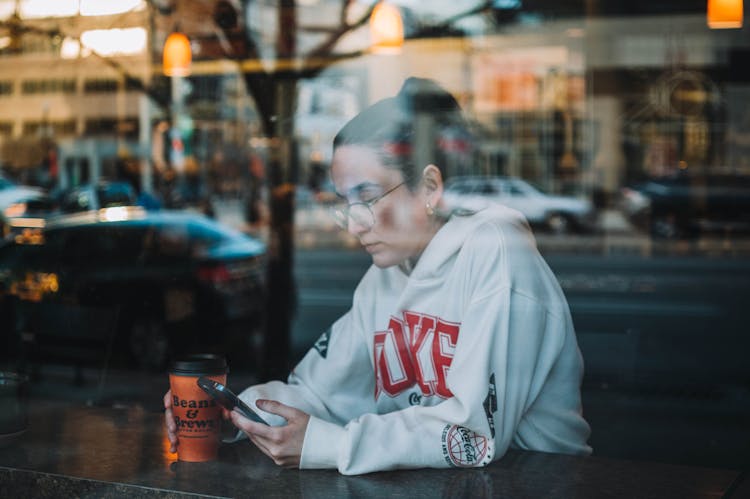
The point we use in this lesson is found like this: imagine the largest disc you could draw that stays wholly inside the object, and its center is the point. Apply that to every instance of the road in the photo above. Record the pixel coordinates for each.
(635, 316)
(663, 338)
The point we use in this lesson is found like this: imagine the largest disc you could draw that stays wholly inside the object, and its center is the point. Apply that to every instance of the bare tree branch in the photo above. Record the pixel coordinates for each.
(478, 9)
(326, 47)
(312, 65)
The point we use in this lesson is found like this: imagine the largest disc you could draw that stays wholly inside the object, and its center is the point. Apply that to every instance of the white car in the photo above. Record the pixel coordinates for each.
(559, 214)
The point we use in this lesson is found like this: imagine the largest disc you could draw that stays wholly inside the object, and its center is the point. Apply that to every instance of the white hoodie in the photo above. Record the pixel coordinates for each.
(471, 354)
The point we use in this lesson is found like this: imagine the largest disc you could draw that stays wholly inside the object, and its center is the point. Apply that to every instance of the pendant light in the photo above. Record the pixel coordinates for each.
(724, 14)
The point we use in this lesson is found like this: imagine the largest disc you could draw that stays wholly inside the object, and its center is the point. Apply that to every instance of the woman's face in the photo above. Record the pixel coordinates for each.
(401, 228)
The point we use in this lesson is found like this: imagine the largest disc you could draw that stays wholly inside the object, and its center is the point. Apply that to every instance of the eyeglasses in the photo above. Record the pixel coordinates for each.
(360, 212)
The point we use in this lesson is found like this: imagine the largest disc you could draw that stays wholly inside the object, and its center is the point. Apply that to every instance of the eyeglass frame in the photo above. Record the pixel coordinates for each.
(341, 216)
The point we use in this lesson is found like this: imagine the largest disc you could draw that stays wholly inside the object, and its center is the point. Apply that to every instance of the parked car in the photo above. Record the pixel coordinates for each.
(5, 183)
(103, 194)
(558, 214)
(685, 204)
(23, 211)
(150, 283)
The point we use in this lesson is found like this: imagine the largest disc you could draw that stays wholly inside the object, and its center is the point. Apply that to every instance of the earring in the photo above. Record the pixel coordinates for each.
(430, 210)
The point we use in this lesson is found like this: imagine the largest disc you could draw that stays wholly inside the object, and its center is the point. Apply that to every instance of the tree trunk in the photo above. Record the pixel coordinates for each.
(276, 361)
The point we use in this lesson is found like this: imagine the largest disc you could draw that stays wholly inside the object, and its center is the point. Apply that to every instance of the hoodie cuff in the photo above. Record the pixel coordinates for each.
(322, 444)
(240, 435)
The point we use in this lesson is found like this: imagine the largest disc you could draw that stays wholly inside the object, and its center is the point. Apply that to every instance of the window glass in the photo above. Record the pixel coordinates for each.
(186, 206)
(172, 241)
(117, 194)
(487, 188)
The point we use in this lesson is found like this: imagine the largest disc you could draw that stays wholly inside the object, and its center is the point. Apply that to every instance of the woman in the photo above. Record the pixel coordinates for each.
(459, 343)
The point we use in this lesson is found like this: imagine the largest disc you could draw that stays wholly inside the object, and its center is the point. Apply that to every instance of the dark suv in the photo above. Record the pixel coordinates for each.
(148, 284)
(684, 204)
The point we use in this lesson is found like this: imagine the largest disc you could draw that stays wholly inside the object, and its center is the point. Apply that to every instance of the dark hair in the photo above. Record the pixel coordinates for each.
(395, 128)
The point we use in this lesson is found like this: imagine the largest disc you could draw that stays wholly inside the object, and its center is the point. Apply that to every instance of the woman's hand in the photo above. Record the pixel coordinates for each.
(283, 444)
(171, 426)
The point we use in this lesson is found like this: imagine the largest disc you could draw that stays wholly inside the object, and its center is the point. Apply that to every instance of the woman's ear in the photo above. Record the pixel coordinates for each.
(432, 180)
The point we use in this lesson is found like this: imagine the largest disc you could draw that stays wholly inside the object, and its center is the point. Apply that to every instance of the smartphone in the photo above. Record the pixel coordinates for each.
(227, 399)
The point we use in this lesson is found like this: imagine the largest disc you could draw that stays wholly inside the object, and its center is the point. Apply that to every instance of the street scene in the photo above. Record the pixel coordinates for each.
(500, 234)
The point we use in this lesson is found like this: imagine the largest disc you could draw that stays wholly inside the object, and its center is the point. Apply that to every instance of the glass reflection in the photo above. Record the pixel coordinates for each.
(628, 151)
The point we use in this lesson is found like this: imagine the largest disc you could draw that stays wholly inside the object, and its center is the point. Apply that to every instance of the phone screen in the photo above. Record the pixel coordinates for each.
(227, 399)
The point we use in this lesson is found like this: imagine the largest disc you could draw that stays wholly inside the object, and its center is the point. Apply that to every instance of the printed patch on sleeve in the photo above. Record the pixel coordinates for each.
(463, 448)
(322, 344)
(490, 405)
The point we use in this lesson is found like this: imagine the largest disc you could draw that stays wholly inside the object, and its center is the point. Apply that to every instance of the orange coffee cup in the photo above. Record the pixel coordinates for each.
(196, 413)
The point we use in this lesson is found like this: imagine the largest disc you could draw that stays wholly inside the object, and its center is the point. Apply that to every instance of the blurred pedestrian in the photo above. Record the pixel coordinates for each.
(256, 212)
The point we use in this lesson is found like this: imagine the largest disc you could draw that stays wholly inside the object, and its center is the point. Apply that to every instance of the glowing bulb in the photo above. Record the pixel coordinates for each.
(177, 55)
(386, 29)
(724, 14)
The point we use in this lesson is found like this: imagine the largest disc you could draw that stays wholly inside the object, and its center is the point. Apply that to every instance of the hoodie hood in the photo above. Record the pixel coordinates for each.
(448, 241)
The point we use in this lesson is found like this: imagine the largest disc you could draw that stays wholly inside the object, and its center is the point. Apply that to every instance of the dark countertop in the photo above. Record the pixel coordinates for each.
(103, 452)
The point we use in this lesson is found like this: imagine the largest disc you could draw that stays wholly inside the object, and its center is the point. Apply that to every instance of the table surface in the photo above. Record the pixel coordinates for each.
(88, 451)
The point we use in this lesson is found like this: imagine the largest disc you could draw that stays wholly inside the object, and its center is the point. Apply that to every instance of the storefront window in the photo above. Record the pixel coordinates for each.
(619, 130)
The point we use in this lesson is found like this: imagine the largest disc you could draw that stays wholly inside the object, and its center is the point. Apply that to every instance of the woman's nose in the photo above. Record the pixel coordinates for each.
(356, 228)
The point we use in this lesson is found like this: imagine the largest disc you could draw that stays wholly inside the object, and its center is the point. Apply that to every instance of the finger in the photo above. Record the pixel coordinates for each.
(168, 399)
(171, 431)
(275, 407)
(170, 423)
(273, 452)
(260, 445)
(169, 419)
(249, 426)
(173, 441)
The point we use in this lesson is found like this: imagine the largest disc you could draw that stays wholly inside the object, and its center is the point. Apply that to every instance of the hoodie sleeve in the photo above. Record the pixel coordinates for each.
(333, 382)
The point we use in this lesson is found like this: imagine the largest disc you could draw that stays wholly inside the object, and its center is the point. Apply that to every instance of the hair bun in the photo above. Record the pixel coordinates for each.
(423, 95)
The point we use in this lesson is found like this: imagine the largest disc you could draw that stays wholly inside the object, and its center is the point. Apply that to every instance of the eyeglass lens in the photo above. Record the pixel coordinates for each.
(360, 213)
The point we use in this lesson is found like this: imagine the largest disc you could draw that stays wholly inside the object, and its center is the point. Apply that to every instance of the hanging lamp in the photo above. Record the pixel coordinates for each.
(724, 14)
(177, 55)
(386, 28)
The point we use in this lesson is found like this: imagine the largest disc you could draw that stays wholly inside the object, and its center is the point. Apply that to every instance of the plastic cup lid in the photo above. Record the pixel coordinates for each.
(198, 364)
